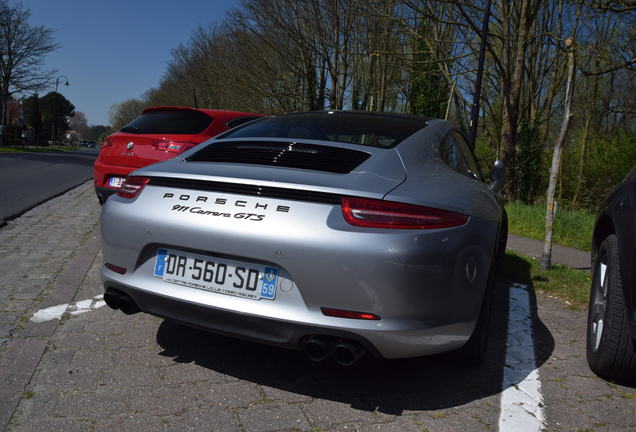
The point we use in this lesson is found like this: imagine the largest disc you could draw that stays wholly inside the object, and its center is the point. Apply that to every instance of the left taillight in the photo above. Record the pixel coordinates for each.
(132, 186)
(373, 213)
(173, 146)
(105, 143)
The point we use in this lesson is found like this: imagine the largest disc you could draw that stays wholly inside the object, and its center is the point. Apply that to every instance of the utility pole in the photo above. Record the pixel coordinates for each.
(474, 114)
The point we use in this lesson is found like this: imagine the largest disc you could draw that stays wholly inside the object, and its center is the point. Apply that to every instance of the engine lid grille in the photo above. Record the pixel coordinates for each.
(283, 154)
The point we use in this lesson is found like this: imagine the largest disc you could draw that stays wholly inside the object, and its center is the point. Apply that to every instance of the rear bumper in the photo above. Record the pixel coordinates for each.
(411, 342)
(101, 175)
(102, 172)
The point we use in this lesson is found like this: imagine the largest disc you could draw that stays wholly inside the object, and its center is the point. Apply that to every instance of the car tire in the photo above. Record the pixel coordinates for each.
(610, 346)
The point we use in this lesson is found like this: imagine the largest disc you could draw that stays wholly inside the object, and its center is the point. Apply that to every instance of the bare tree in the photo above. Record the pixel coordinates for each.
(123, 113)
(22, 51)
(546, 257)
(79, 124)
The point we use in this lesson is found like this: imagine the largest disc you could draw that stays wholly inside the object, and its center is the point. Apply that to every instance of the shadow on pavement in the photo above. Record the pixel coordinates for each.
(388, 386)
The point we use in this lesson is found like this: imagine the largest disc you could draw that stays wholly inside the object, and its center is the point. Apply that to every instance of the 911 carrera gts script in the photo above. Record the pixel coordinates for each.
(198, 210)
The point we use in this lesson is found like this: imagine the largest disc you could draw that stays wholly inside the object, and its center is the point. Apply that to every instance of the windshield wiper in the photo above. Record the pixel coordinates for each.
(130, 129)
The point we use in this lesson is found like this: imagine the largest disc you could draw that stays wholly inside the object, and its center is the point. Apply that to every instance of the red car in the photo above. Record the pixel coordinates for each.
(158, 134)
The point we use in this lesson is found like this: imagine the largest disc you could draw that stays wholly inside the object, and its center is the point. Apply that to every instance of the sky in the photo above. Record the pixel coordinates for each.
(115, 50)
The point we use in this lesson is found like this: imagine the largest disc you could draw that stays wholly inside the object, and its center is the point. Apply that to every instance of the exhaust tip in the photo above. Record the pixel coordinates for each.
(127, 305)
(112, 300)
(119, 300)
(316, 349)
(347, 353)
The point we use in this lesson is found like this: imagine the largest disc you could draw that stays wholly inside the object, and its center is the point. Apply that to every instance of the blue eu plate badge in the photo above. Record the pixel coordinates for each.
(270, 278)
(160, 263)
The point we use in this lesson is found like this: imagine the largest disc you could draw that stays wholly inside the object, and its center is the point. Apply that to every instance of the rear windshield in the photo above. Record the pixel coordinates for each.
(178, 122)
(370, 129)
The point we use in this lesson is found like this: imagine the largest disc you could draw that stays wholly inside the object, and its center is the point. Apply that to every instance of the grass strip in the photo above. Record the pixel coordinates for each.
(572, 228)
(570, 285)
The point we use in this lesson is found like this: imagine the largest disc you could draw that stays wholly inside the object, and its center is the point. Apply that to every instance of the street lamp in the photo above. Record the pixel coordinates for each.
(57, 81)
(54, 126)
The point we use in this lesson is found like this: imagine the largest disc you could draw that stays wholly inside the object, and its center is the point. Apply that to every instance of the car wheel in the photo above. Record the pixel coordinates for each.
(610, 347)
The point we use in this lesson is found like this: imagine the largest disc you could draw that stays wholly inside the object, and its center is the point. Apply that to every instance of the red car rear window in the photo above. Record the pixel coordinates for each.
(176, 122)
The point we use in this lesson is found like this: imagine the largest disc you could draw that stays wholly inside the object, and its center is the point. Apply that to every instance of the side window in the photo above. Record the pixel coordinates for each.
(471, 163)
(450, 154)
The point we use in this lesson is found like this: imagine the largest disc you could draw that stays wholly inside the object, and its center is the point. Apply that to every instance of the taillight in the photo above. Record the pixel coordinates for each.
(132, 186)
(173, 147)
(105, 143)
(386, 214)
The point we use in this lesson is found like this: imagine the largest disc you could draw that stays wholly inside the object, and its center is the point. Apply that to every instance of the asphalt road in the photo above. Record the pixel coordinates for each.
(29, 179)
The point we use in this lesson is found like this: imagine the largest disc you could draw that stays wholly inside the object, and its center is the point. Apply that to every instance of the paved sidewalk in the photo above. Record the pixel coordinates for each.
(44, 256)
(562, 255)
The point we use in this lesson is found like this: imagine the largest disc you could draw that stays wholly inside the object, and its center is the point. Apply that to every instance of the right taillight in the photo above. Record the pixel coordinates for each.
(173, 147)
(387, 214)
(132, 186)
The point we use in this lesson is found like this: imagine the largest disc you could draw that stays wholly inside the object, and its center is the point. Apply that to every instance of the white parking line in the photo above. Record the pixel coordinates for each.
(521, 399)
(80, 307)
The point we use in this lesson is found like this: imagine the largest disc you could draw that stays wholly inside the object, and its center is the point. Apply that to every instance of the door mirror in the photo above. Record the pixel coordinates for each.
(498, 176)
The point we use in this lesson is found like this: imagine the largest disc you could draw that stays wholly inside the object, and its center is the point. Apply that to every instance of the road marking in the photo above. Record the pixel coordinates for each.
(77, 308)
(521, 400)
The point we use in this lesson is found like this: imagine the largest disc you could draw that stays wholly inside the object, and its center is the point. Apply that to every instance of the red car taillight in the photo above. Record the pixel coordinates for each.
(386, 214)
(105, 143)
(173, 147)
(132, 186)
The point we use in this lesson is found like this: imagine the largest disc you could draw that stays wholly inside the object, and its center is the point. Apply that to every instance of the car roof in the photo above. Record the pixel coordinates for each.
(210, 112)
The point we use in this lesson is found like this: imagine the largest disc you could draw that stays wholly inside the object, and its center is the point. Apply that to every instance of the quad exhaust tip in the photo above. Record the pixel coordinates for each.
(118, 300)
(347, 353)
(316, 349)
(344, 352)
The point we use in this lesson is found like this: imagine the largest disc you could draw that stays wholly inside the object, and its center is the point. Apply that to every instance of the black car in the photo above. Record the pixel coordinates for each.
(611, 322)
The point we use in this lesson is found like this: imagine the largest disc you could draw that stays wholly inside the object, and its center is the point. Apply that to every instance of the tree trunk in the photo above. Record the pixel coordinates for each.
(579, 174)
(546, 258)
(510, 111)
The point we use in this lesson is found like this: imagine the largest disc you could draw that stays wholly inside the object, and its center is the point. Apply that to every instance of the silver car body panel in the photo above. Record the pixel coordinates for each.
(426, 285)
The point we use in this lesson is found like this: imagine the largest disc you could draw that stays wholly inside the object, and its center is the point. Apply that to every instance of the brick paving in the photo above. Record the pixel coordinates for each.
(105, 371)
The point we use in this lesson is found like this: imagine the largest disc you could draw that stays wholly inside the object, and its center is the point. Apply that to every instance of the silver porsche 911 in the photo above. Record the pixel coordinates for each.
(336, 233)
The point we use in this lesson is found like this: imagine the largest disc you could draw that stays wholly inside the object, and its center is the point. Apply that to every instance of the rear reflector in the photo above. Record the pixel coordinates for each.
(339, 313)
(387, 214)
(115, 268)
(132, 186)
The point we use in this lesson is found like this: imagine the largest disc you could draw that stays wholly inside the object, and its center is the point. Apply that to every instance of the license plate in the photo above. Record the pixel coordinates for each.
(217, 275)
(116, 182)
